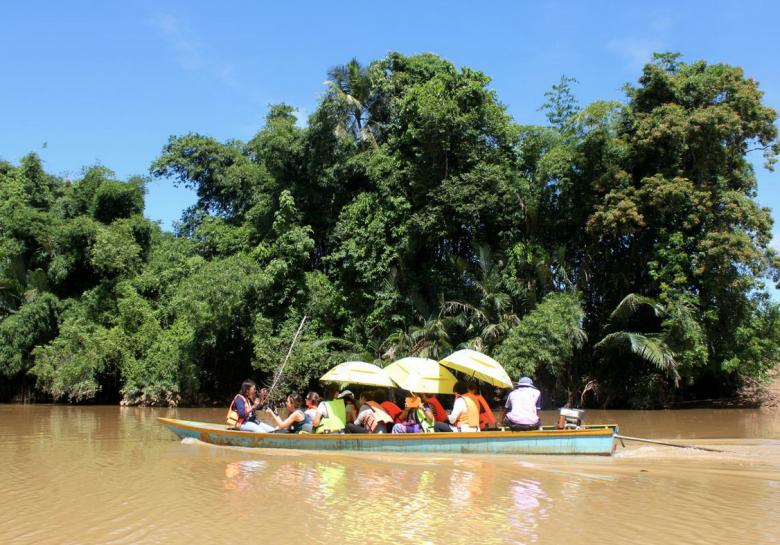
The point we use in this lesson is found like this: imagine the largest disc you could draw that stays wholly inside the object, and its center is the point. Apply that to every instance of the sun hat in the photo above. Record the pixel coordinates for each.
(346, 393)
(525, 381)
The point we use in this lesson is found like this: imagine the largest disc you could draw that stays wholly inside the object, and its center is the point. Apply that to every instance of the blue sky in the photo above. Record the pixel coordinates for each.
(109, 82)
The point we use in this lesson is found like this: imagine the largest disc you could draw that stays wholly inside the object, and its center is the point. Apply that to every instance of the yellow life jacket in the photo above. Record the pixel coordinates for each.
(336, 420)
(233, 420)
(471, 417)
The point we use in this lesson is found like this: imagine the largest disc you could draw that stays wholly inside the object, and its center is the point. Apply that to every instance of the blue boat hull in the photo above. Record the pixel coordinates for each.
(591, 440)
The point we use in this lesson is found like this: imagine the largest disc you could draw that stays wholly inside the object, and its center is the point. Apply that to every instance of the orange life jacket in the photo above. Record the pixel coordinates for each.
(379, 415)
(233, 420)
(485, 413)
(471, 416)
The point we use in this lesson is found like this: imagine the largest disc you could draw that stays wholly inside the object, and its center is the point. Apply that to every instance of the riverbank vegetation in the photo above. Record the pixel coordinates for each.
(617, 254)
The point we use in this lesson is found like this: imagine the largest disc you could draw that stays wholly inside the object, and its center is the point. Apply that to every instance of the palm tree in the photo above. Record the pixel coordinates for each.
(489, 322)
(351, 82)
(650, 347)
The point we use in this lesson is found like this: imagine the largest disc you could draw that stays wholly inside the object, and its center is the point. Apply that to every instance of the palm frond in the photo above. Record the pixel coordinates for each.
(650, 348)
(630, 304)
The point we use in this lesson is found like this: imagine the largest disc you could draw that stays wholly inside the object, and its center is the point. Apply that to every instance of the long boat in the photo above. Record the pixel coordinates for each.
(591, 440)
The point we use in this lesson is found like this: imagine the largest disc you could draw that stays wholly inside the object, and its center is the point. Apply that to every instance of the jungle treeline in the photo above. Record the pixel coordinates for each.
(616, 254)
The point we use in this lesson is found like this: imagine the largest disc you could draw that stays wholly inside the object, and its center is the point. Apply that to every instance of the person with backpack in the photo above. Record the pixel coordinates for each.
(415, 418)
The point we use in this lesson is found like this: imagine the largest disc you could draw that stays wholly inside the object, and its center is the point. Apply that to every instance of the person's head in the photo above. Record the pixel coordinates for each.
(460, 388)
(294, 401)
(248, 388)
(312, 399)
(525, 382)
(473, 388)
(365, 397)
(346, 395)
(331, 391)
(426, 397)
(379, 396)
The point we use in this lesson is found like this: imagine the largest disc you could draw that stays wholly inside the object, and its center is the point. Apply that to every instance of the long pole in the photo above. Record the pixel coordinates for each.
(279, 372)
(640, 440)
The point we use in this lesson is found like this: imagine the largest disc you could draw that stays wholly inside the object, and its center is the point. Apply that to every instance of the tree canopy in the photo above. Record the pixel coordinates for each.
(618, 250)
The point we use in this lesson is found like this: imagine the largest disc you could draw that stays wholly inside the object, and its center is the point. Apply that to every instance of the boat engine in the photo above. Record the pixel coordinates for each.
(571, 419)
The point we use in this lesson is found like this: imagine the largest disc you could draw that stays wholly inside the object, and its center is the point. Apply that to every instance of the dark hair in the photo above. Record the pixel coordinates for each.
(314, 397)
(473, 386)
(379, 396)
(367, 395)
(460, 388)
(331, 390)
(296, 399)
(246, 386)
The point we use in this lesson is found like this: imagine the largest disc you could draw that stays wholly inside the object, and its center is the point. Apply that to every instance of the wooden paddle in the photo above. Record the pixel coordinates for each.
(640, 440)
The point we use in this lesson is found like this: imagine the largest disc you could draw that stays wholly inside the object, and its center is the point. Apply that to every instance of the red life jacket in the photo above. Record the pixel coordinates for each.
(485, 413)
(378, 416)
(233, 419)
(392, 409)
(439, 414)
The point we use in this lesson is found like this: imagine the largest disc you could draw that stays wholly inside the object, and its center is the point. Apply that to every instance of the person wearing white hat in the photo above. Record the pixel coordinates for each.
(522, 405)
(349, 402)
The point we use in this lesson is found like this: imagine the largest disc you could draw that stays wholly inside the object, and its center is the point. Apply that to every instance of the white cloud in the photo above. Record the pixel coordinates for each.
(177, 35)
(191, 53)
(638, 52)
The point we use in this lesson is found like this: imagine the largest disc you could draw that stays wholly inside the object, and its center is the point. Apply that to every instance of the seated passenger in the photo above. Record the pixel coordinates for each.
(296, 421)
(439, 414)
(241, 413)
(524, 401)
(312, 401)
(372, 418)
(349, 402)
(389, 407)
(465, 414)
(486, 418)
(415, 418)
(331, 416)
(363, 411)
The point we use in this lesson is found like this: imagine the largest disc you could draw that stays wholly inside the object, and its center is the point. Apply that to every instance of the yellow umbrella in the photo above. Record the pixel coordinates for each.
(479, 366)
(358, 372)
(421, 375)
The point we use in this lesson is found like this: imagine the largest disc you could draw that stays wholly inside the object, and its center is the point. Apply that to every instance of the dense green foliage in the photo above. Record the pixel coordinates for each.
(617, 251)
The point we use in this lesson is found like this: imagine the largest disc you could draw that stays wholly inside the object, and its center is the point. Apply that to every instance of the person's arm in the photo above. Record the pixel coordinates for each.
(295, 416)
(351, 414)
(361, 417)
(260, 398)
(457, 408)
(429, 414)
(241, 408)
(322, 410)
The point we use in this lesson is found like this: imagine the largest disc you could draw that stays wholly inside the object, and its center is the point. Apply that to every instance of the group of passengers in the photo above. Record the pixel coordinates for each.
(338, 412)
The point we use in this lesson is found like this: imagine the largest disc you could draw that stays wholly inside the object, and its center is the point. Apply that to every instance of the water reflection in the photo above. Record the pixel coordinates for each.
(530, 507)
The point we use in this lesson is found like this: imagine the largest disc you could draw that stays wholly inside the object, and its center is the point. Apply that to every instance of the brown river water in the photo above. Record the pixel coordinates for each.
(115, 475)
